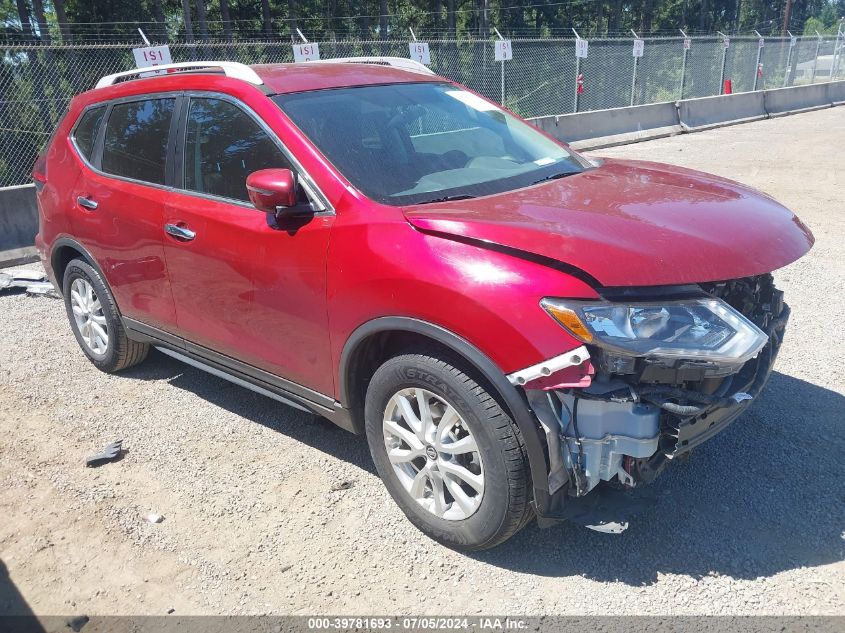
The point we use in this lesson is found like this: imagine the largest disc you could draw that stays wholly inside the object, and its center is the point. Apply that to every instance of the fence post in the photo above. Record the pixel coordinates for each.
(577, 73)
(687, 44)
(816, 60)
(503, 83)
(837, 52)
(760, 44)
(725, 41)
(634, 76)
(502, 69)
(788, 70)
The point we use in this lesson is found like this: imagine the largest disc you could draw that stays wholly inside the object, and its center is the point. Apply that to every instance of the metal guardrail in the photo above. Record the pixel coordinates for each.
(37, 82)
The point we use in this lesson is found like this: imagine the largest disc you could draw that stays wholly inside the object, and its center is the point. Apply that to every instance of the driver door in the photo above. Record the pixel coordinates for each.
(245, 289)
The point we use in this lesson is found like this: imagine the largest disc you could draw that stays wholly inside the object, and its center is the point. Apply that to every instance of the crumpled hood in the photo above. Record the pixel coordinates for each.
(632, 223)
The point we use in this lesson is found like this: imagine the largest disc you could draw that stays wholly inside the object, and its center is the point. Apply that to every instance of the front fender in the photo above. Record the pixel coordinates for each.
(482, 304)
(489, 299)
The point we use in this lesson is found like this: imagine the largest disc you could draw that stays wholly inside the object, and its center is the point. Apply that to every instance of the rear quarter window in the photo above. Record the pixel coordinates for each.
(86, 130)
(135, 142)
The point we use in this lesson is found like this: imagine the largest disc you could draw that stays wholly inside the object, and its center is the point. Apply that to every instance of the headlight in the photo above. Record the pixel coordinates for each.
(704, 329)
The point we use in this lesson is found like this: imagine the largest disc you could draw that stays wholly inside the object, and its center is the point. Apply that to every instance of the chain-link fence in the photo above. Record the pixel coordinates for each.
(543, 78)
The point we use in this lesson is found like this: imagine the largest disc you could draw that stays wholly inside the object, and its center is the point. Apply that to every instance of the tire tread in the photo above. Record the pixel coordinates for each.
(519, 511)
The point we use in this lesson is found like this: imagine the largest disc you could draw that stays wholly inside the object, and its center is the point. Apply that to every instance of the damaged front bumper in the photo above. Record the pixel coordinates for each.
(611, 425)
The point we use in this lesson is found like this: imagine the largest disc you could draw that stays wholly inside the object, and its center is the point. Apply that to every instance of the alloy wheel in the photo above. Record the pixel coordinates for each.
(89, 316)
(433, 453)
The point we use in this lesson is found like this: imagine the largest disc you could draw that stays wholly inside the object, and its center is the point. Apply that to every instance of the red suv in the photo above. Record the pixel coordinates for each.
(518, 330)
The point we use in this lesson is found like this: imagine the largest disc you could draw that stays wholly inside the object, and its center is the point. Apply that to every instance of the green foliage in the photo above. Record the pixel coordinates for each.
(328, 19)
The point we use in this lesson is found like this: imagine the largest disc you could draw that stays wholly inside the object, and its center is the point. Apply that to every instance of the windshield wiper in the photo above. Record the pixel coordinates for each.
(463, 196)
(562, 174)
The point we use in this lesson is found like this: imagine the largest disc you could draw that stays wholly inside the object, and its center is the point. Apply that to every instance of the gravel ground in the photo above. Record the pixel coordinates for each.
(752, 524)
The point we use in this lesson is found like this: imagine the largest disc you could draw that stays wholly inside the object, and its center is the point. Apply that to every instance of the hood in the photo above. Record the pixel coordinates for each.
(632, 223)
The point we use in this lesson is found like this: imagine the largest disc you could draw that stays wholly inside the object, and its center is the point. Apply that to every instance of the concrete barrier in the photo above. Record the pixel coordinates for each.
(781, 101)
(18, 225)
(707, 112)
(836, 92)
(617, 126)
(604, 128)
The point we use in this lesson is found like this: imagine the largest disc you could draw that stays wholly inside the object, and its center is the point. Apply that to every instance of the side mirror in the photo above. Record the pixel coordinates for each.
(272, 190)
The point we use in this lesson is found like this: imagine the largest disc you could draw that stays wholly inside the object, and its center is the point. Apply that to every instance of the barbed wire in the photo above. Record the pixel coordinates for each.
(258, 35)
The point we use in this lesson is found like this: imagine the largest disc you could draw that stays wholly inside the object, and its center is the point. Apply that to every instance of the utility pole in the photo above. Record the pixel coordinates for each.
(787, 14)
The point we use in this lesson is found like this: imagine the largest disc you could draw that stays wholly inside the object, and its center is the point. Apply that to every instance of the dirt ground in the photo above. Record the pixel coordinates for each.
(255, 523)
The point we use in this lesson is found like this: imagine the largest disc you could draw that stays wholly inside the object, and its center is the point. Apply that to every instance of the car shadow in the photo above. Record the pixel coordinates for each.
(304, 427)
(15, 613)
(762, 497)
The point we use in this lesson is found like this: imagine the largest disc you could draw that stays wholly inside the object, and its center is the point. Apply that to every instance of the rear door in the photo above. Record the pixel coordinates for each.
(119, 200)
(245, 288)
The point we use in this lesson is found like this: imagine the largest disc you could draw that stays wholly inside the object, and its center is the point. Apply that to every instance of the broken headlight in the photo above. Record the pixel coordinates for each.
(702, 329)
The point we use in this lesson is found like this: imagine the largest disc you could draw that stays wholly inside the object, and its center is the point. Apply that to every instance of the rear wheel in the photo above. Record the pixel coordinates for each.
(95, 320)
(449, 455)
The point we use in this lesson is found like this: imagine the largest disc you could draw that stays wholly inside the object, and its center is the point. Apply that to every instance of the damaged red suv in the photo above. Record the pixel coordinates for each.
(519, 330)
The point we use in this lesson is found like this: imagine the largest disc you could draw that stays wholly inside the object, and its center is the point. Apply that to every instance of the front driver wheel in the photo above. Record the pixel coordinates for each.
(449, 455)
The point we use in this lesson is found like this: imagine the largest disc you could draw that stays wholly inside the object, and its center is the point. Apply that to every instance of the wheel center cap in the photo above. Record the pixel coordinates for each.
(431, 452)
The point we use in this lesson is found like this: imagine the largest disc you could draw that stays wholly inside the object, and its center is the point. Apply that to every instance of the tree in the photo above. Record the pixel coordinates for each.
(292, 15)
(61, 18)
(41, 19)
(647, 16)
(26, 20)
(614, 22)
(202, 19)
(186, 16)
(227, 19)
(382, 19)
(266, 17)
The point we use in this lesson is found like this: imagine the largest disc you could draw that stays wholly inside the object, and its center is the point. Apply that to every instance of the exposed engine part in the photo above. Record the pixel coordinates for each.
(597, 435)
(638, 414)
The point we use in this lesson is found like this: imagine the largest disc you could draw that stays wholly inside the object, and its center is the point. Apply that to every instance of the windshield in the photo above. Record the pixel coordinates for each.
(425, 142)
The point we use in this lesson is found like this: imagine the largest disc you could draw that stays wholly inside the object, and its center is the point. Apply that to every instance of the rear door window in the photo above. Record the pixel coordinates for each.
(86, 130)
(135, 143)
(223, 145)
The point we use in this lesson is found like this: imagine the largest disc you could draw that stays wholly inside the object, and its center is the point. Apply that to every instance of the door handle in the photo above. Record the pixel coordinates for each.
(179, 232)
(87, 203)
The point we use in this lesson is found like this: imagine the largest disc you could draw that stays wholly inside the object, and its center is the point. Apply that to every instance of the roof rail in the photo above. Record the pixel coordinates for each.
(236, 70)
(403, 63)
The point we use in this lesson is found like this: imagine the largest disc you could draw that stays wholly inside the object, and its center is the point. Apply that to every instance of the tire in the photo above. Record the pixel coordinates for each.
(115, 353)
(504, 507)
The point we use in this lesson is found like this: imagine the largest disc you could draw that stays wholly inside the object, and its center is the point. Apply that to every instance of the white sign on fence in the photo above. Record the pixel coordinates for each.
(793, 41)
(306, 52)
(581, 48)
(152, 56)
(639, 47)
(761, 43)
(727, 42)
(420, 52)
(687, 43)
(504, 51)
